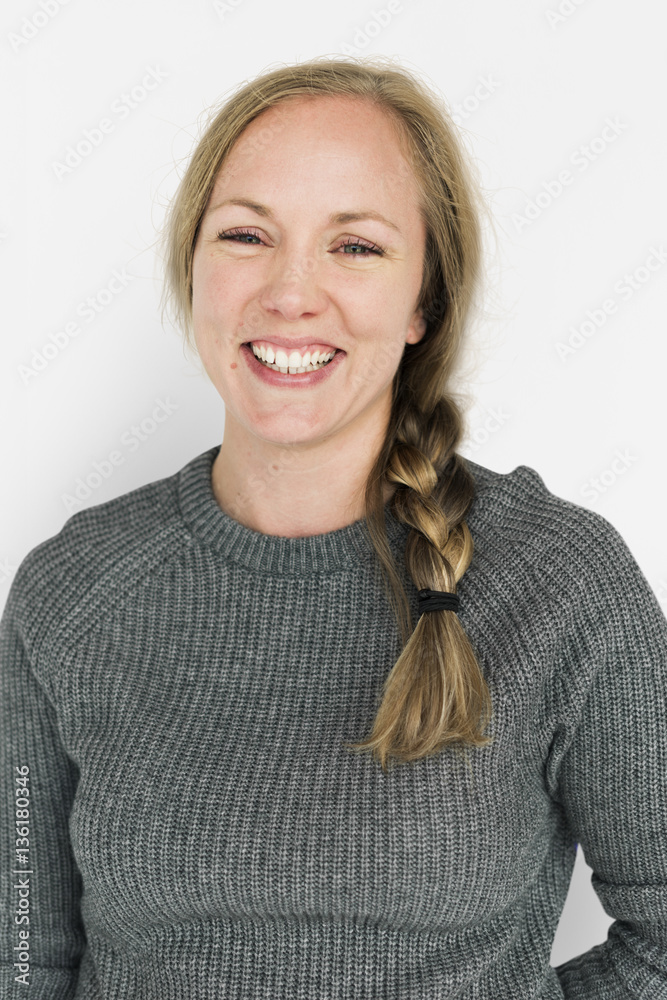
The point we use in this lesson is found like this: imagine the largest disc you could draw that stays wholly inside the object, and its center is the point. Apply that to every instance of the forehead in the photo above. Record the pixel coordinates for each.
(334, 114)
(332, 138)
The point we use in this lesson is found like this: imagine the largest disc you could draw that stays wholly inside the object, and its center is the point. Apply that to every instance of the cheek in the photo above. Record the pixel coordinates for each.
(204, 305)
(217, 300)
(199, 290)
(207, 289)
(384, 302)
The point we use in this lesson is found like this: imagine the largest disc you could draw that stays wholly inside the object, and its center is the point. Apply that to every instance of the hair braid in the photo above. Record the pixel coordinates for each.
(435, 695)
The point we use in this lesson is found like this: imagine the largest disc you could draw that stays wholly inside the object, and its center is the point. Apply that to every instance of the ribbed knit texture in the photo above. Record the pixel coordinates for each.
(180, 687)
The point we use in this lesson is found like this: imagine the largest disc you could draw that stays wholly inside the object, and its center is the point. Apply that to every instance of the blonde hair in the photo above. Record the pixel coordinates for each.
(435, 696)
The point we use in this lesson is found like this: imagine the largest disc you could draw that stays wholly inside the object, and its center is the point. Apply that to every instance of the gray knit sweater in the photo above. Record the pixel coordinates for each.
(180, 819)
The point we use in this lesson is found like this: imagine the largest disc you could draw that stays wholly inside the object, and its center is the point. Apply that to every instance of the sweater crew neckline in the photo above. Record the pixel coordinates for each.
(272, 553)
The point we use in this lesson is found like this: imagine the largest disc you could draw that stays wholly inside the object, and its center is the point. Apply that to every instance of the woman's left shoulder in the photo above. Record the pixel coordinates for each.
(517, 517)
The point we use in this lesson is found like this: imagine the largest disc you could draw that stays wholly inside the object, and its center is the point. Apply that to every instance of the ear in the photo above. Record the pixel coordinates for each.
(417, 328)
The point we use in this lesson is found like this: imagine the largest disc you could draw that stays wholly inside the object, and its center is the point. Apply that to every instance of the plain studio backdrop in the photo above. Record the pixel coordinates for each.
(562, 106)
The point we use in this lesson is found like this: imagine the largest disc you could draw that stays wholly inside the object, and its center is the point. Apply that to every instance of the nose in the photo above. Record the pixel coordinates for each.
(293, 288)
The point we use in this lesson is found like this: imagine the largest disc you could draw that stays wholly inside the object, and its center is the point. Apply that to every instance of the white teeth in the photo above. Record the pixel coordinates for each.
(294, 363)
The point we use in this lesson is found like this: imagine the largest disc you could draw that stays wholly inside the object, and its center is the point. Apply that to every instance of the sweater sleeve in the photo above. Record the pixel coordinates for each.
(610, 770)
(42, 937)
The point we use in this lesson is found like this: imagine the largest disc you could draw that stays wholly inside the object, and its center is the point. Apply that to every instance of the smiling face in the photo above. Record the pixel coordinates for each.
(312, 238)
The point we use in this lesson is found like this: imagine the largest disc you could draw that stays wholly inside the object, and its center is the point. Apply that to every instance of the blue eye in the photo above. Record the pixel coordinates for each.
(234, 234)
(357, 248)
(366, 247)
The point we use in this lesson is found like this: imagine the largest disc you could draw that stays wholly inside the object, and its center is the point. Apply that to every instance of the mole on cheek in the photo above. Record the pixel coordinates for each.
(234, 364)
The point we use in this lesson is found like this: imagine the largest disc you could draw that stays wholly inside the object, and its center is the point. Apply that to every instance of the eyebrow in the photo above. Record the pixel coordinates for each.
(336, 218)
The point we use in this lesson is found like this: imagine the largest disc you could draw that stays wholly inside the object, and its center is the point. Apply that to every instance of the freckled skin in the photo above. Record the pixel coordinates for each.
(292, 277)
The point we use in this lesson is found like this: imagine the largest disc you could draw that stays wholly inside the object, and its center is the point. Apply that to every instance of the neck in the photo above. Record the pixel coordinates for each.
(293, 490)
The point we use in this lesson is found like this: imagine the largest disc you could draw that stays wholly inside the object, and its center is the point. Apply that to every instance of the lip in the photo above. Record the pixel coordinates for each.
(292, 345)
(302, 380)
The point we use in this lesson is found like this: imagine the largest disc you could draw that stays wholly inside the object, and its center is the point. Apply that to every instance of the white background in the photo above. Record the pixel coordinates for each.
(533, 88)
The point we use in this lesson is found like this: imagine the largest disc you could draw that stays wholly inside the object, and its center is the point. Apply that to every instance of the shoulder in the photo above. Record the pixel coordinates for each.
(518, 505)
(517, 521)
(100, 552)
(557, 581)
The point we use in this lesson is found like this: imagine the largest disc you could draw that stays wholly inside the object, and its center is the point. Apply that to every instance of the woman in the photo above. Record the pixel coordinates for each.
(326, 712)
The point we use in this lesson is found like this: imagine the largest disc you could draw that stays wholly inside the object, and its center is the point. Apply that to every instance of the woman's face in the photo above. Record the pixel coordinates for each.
(292, 255)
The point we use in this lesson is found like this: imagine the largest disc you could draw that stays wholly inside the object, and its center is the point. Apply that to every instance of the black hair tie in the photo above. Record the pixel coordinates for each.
(437, 600)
